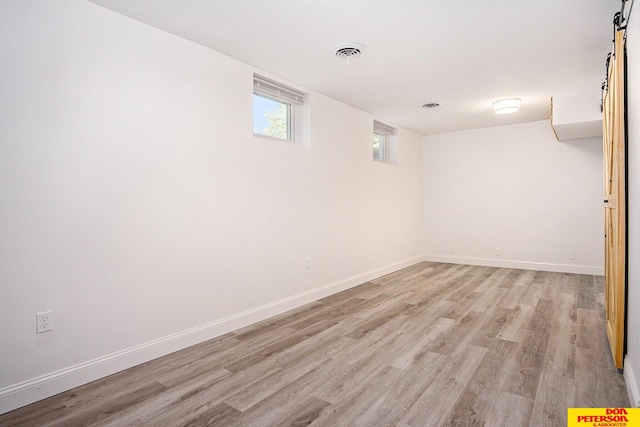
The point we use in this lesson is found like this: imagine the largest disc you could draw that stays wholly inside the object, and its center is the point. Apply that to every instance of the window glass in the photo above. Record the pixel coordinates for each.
(271, 117)
(378, 146)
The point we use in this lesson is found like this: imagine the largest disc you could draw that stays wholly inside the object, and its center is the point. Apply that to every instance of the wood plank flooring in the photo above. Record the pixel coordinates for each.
(431, 345)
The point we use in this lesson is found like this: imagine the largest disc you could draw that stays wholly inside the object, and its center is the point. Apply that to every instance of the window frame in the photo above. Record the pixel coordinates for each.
(388, 142)
(290, 118)
(382, 149)
(292, 98)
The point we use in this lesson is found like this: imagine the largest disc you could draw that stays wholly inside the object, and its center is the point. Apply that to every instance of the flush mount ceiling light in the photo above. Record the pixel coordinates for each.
(506, 106)
(349, 50)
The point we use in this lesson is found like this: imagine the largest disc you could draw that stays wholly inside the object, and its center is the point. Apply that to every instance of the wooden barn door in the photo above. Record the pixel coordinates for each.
(615, 206)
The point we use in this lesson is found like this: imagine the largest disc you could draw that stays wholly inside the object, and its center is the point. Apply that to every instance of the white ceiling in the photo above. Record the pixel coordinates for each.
(462, 54)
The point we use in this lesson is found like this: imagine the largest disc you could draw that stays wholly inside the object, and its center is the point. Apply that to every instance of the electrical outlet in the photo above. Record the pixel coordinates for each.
(497, 251)
(453, 249)
(307, 263)
(572, 256)
(43, 322)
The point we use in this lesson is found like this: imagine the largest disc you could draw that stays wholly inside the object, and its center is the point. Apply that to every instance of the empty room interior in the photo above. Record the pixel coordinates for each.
(318, 213)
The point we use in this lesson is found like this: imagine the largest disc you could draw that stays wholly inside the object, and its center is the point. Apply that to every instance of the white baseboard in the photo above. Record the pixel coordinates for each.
(632, 384)
(523, 265)
(48, 385)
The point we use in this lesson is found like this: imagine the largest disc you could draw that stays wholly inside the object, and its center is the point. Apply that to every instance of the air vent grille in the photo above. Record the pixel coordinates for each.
(349, 50)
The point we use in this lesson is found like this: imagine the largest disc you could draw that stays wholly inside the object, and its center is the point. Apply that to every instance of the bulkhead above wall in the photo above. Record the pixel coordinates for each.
(576, 116)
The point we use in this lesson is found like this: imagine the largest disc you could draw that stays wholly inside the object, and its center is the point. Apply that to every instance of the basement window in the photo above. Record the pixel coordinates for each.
(384, 143)
(278, 110)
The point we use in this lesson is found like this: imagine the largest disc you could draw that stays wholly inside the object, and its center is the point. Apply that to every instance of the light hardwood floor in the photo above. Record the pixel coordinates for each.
(431, 345)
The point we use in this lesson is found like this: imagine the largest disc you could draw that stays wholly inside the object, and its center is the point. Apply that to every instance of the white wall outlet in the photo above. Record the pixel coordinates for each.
(572, 256)
(497, 251)
(307, 263)
(43, 322)
(453, 249)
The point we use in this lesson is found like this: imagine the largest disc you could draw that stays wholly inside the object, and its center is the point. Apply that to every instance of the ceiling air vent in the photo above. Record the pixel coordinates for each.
(349, 50)
(431, 105)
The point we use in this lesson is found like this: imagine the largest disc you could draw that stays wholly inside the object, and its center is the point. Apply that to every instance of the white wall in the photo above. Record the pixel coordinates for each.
(518, 189)
(632, 360)
(139, 208)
